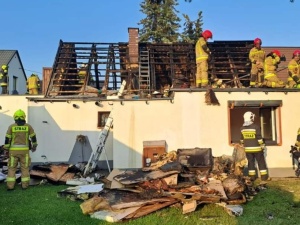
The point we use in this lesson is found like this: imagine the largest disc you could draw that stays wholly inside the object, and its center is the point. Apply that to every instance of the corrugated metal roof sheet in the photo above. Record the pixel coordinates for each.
(6, 56)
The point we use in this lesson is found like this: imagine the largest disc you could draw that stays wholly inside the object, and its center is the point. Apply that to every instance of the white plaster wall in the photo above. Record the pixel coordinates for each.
(189, 123)
(186, 123)
(58, 124)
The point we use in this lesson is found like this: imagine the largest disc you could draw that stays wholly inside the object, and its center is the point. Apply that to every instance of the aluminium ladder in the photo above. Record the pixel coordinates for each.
(144, 72)
(100, 147)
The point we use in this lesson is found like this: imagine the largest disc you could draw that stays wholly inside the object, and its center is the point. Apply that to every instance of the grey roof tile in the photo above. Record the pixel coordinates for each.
(6, 56)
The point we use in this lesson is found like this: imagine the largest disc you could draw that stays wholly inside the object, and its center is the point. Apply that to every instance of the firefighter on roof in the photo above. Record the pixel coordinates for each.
(271, 64)
(254, 147)
(202, 56)
(4, 78)
(257, 58)
(294, 70)
(33, 84)
(20, 137)
(82, 74)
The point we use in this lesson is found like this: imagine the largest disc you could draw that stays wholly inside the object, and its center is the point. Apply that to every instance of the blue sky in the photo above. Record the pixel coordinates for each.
(34, 27)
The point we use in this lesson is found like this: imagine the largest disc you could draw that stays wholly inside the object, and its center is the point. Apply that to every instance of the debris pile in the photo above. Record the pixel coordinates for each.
(184, 178)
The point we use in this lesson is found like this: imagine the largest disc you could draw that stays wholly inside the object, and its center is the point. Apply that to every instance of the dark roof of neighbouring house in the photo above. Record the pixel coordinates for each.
(7, 55)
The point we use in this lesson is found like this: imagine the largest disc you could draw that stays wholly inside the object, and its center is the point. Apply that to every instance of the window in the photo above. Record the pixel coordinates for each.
(267, 116)
(15, 79)
(102, 118)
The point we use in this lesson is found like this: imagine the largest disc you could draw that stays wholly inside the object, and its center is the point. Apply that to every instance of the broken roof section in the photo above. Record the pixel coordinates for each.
(93, 68)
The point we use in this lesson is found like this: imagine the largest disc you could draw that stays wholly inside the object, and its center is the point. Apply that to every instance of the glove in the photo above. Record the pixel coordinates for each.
(262, 146)
(33, 149)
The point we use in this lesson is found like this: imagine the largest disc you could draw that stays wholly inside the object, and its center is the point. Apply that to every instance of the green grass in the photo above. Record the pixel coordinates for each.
(40, 205)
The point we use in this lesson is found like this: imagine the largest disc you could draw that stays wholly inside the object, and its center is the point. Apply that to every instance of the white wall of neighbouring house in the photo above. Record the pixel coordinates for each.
(15, 70)
(186, 122)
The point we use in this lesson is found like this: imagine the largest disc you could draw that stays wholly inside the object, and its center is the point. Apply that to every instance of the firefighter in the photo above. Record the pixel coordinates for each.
(257, 58)
(254, 147)
(33, 84)
(82, 74)
(4, 79)
(202, 56)
(20, 137)
(293, 80)
(271, 64)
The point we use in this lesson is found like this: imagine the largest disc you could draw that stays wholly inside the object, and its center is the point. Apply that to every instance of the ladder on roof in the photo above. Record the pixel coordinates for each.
(144, 72)
(100, 147)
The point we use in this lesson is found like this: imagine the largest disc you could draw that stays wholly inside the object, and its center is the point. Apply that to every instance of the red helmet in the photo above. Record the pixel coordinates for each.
(207, 34)
(296, 53)
(257, 41)
(277, 52)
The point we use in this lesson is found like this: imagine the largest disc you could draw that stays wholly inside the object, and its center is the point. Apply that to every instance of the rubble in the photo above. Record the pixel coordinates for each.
(186, 177)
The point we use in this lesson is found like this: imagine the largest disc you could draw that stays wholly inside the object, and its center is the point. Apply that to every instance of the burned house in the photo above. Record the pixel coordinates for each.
(80, 92)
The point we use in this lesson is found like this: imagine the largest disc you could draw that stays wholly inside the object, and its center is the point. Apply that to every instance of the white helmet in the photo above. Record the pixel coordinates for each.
(249, 116)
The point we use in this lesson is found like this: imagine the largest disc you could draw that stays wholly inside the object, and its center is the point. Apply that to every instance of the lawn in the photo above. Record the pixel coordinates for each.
(279, 204)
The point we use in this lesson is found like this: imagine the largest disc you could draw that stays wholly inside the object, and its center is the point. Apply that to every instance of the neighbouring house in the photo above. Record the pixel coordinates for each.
(16, 73)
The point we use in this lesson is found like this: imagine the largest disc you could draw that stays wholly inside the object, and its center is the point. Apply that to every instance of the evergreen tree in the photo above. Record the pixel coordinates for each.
(161, 23)
(192, 29)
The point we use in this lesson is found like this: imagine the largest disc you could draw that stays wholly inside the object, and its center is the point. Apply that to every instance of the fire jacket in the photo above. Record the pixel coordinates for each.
(271, 64)
(251, 138)
(294, 70)
(17, 137)
(257, 55)
(201, 50)
(3, 77)
(33, 82)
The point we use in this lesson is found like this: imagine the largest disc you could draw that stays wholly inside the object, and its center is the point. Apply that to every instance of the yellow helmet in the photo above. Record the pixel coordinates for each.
(19, 114)
(4, 67)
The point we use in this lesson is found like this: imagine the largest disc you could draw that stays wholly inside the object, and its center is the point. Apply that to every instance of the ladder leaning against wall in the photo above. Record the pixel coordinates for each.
(100, 147)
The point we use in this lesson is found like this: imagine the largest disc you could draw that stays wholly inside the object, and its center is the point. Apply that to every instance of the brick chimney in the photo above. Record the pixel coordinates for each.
(133, 45)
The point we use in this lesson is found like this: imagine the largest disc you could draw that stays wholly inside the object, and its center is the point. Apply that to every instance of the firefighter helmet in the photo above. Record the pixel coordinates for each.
(207, 34)
(4, 67)
(296, 53)
(257, 41)
(19, 114)
(277, 52)
(249, 116)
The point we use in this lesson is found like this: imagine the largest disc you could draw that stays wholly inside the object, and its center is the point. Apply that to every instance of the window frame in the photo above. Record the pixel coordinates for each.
(274, 116)
(100, 122)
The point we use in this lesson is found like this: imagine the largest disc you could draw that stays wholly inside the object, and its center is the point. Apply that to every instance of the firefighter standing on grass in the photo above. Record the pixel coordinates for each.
(254, 147)
(18, 144)
(257, 58)
(33, 84)
(271, 64)
(202, 56)
(293, 80)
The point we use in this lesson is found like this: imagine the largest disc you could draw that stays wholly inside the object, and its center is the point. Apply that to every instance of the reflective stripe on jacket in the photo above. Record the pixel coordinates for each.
(201, 49)
(17, 137)
(251, 138)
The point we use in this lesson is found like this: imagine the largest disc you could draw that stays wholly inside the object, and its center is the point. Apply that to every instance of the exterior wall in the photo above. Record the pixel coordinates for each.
(186, 123)
(15, 70)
